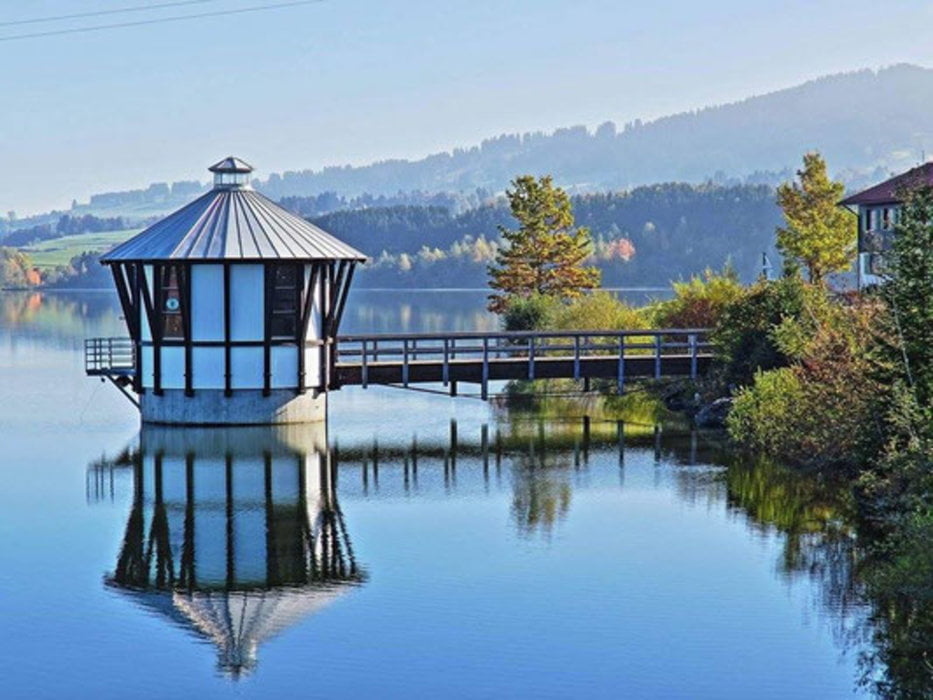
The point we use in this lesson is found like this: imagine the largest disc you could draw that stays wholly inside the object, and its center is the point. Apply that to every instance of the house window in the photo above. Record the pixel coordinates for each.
(285, 302)
(868, 219)
(173, 327)
(886, 219)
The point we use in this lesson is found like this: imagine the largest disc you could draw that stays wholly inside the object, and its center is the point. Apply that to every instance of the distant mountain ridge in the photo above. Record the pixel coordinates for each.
(867, 123)
(861, 121)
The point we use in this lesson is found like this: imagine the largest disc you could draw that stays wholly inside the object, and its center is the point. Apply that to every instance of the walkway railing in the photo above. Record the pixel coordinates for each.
(109, 356)
(535, 349)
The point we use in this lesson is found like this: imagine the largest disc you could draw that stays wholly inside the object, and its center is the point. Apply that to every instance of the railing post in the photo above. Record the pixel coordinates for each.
(365, 370)
(405, 363)
(657, 356)
(445, 369)
(531, 357)
(692, 340)
(484, 391)
(576, 357)
(621, 377)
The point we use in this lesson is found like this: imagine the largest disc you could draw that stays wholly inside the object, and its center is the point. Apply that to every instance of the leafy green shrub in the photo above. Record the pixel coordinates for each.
(598, 311)
(746, 336)
(827, 408)
(535, 312)
(699, 302)
(763, 416)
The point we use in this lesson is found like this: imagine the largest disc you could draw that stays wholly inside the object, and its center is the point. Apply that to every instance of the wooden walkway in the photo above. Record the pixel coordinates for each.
(477, 358)
(480, 358)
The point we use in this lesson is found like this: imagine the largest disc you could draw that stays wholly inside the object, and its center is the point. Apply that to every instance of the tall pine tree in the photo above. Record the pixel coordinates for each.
(545, 255)
(819, 234)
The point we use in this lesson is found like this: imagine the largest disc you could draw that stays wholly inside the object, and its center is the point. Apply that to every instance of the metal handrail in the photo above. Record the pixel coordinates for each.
(106, 355)
(531, 346)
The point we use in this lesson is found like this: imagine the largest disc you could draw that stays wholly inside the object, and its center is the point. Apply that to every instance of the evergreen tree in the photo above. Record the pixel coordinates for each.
(909, 292)
(544, 256)
(818, 234)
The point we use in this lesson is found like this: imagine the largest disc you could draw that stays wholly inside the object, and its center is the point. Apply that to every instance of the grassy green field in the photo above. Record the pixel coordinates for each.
(49, 254)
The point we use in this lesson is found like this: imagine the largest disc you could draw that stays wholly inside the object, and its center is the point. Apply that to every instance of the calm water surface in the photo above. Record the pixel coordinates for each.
(419, 547)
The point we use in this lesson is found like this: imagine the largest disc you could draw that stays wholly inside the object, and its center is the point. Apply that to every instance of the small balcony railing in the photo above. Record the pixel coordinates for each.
(109, 357)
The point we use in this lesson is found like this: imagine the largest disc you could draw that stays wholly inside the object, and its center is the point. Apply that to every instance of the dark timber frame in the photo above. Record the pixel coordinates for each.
(139, 291)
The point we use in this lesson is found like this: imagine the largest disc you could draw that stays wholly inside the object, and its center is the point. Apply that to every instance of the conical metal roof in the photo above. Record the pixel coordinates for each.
(233, 223)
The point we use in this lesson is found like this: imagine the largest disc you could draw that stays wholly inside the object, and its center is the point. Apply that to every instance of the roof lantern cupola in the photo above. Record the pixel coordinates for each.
(231, 172)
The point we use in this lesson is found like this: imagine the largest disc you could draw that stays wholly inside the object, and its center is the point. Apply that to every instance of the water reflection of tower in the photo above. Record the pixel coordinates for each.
(235, 534)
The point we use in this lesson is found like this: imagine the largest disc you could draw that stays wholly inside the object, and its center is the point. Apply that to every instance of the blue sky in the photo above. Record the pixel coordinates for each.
(351, 81)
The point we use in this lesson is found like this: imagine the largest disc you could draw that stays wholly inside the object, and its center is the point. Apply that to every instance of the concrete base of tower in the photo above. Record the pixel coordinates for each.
(242, 407)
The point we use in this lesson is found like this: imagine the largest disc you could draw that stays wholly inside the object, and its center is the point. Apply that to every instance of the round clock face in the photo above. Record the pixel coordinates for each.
(171, 304)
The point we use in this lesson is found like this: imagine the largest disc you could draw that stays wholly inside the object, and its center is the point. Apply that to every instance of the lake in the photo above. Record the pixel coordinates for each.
(418, 546)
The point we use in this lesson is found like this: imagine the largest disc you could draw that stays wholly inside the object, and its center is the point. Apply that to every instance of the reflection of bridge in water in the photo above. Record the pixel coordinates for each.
(234, 535)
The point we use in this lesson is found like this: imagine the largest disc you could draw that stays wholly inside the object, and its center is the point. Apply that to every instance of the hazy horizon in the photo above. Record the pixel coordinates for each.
(355, 82)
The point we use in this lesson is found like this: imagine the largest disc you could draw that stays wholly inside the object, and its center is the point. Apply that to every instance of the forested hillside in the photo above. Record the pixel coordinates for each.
(648, 236)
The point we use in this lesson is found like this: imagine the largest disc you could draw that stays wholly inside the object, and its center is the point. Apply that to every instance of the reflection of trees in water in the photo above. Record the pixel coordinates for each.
(62, 316)
(899, 582)
(541, 491)
(880, 603)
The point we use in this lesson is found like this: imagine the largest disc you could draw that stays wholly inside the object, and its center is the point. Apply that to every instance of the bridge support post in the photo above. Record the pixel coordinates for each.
(620, 382)
(484, 390)
(692, 342)
(657, 357)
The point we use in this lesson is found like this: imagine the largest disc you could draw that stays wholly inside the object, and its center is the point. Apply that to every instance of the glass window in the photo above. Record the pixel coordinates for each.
(868, 219)
(173, 327)
(886, 219)
(285, 304)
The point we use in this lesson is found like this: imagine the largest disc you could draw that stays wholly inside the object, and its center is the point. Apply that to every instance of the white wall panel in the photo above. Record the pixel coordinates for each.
(246, 302)
(208, 366)
(148, 356)
(246, 367)
(173, 368)
(207, 302)
(312, 367)
(284, 367)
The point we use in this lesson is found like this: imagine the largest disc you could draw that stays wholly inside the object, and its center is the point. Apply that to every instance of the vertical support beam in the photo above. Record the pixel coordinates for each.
(620, 380)
(268, 284)
(576, 357)
(125, 303)
(135, 272)
(531, 357)
(692, 341)
(364, 353)
(445, 368)
(157, 324)
(228, 331)
(325, 350)
(184, 289)
(405, 362)
(307, 312)
(657, 356)
(484, 391)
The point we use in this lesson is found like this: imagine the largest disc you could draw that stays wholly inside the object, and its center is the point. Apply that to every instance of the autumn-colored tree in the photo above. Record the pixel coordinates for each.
(545, 255)
(819, 234)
